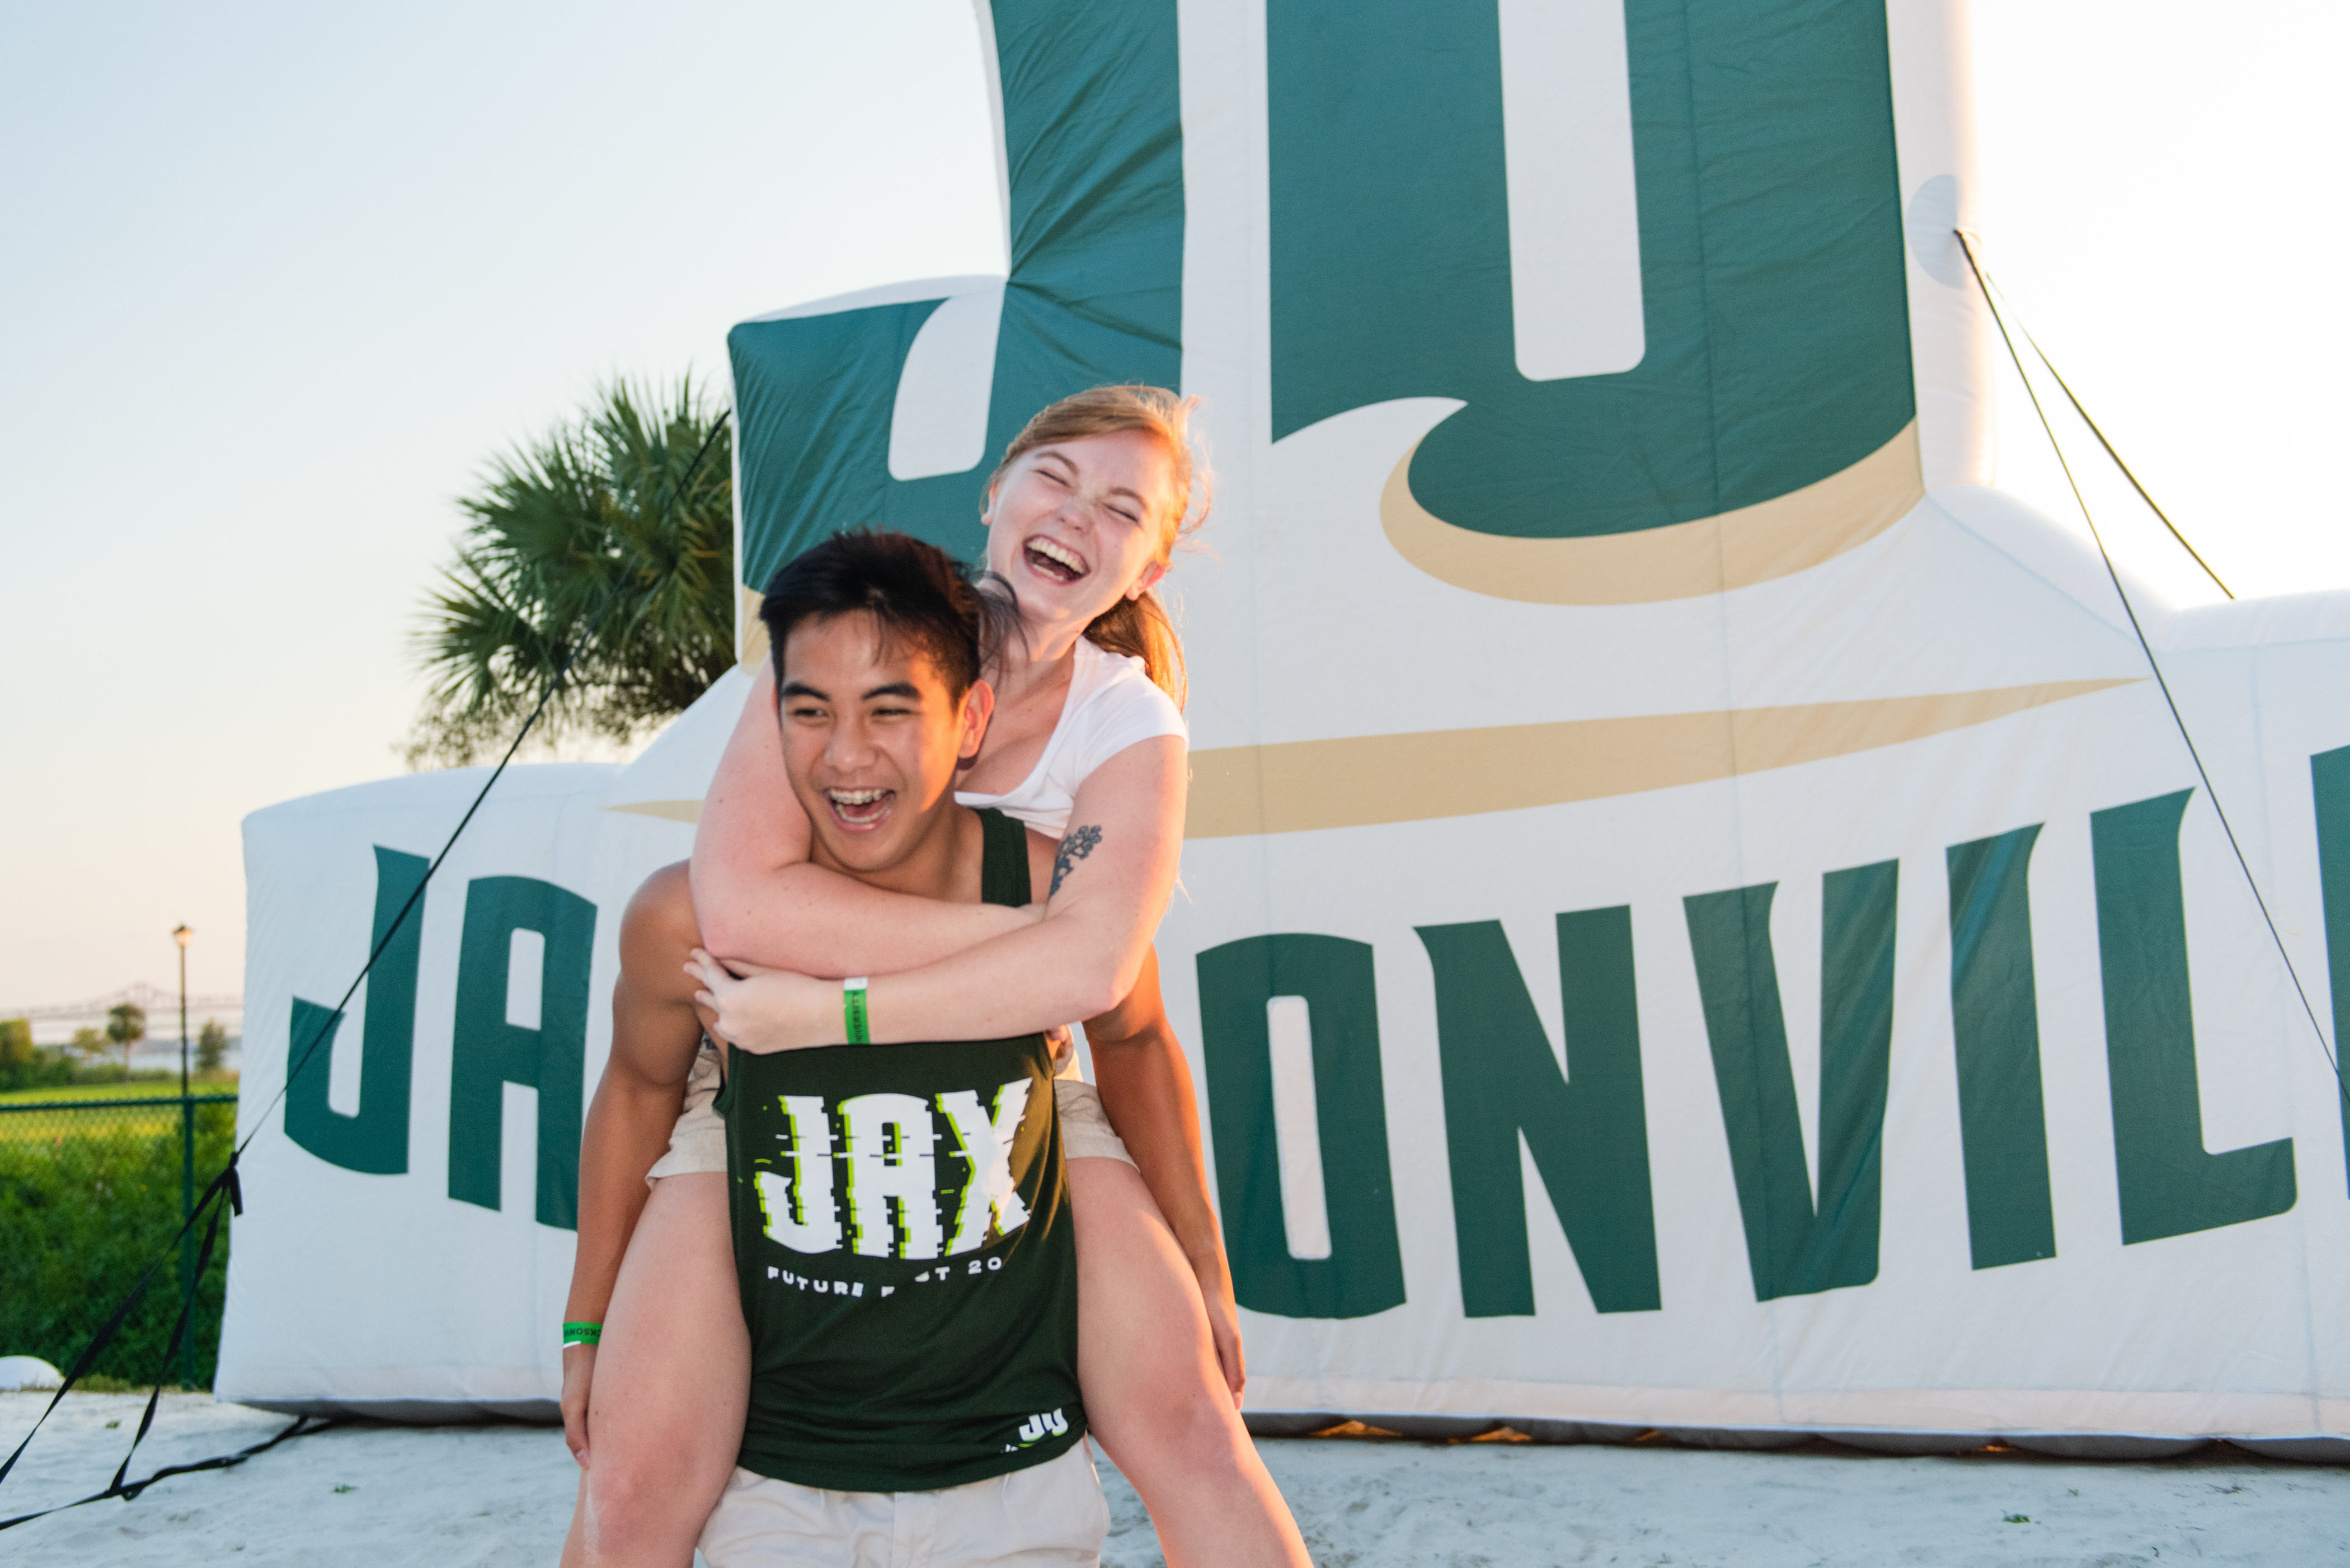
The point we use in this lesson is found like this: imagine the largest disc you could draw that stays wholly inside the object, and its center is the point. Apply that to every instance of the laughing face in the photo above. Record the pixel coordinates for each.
(1077, 525)
(872, 737)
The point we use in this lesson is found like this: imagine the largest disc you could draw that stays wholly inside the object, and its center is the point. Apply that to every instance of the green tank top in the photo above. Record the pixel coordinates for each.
(903, 1242)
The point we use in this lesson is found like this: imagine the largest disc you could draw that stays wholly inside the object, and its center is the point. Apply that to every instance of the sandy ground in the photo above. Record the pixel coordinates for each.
(453, 1497)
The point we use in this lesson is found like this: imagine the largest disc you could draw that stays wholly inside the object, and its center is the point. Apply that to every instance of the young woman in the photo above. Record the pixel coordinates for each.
(1086, 744)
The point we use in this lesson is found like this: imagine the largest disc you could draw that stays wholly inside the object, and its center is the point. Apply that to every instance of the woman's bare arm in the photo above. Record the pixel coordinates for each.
(1115, 866)
(760, 902)
(1146, 1092)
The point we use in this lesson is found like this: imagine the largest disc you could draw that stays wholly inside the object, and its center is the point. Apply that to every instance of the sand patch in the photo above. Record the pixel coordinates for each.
(453, 1497)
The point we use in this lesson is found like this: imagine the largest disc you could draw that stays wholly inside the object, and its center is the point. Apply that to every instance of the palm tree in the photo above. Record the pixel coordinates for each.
(591, 545)
(126, 1025)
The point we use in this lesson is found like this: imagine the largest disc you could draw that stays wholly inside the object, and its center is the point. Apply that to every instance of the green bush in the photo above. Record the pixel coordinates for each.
(87, 1201)
(37, 1070)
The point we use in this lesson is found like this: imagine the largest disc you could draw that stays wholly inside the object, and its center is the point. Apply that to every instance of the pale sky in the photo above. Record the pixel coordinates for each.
(278, 281)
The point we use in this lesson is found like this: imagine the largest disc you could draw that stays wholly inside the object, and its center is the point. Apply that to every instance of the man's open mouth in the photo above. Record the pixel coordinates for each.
(1053, 561)
(859, 809)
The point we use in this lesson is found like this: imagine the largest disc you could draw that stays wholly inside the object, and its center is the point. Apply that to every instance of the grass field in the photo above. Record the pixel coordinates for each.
(19, 1126)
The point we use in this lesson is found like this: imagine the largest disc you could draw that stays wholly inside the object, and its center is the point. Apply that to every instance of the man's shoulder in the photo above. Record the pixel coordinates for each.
(1040, 847)
(660, 911)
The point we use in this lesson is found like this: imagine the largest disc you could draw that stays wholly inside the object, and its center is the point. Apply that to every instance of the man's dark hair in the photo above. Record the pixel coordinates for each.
(912, 589)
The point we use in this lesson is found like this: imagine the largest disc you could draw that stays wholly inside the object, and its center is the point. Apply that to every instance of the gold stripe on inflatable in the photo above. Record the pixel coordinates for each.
(1295, 785)
(1736, 549)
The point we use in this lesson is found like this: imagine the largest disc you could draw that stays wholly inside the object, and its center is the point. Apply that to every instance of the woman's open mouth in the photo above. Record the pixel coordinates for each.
(1053, 561)
(861, 810)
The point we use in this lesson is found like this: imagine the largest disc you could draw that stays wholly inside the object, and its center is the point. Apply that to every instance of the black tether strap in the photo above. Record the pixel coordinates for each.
(1982, 279)
(302, 1427)
(226, 1183)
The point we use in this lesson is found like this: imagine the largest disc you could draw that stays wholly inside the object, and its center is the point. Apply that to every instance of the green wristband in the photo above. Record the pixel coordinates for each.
(852, 1011)
(582, 1334)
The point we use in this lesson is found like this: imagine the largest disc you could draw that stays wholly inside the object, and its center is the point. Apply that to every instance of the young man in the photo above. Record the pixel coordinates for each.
(901, 1235)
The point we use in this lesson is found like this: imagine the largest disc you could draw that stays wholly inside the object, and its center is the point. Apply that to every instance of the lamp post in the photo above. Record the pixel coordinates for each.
(181, 934)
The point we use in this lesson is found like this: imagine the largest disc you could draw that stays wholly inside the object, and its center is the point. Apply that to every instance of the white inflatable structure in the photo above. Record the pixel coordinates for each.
(1697, 913)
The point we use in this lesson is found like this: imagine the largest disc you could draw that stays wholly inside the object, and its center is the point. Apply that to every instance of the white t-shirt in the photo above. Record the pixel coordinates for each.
(1111, 705)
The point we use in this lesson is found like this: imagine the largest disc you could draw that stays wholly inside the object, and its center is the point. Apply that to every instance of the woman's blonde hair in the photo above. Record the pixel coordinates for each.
(1139, 626)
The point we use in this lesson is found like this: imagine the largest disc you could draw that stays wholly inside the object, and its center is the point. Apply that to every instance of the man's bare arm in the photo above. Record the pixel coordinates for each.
(655, 1033)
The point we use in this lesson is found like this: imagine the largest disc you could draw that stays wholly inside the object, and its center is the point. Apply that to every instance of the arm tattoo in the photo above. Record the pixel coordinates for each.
(1079, 843)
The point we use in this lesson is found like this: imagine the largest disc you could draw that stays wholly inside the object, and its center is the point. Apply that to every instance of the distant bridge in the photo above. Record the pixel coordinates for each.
(162, 1007)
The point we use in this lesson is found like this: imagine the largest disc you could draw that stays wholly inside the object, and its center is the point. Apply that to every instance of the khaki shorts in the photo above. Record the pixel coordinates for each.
(698, 1142)
(1047, 1514)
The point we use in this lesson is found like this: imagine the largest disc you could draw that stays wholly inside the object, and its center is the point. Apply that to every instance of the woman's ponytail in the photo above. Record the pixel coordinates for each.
(1139, 627)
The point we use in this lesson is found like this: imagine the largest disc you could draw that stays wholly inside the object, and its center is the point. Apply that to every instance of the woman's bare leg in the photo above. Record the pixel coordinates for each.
(672, 1381)
(1154, 1394)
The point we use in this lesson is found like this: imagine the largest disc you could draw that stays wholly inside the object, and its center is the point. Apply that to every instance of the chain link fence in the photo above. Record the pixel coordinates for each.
(91, 1191)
